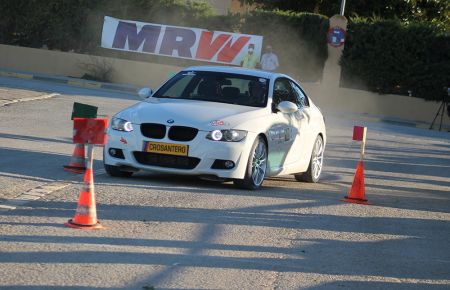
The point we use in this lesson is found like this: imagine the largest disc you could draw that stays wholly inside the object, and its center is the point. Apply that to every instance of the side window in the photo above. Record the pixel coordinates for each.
(282, 91)
(301, 99)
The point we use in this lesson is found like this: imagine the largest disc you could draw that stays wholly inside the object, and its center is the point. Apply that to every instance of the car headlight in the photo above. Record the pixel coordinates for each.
(227, 135)
(121, 125)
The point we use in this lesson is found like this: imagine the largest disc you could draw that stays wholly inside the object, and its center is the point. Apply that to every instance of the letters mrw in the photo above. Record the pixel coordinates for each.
(181, 41)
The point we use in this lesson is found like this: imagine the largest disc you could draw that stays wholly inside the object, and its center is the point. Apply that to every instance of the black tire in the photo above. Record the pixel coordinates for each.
(315, 163)
(256, 166)
(116, 172)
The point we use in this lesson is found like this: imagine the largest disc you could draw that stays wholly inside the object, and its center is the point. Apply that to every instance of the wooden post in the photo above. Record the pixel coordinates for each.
(90, 156)
(363, 144)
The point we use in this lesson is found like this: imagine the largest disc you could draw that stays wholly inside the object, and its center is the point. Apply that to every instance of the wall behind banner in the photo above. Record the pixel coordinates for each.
(153, 75)
(73, 65)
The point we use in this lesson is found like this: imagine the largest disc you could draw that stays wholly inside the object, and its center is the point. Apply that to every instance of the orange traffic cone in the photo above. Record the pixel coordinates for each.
(77, 162)
(357, 192)
(86, 213)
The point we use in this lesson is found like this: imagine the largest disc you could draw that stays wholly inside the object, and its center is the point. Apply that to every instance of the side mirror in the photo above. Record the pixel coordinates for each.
(144, 93)
(287, 107)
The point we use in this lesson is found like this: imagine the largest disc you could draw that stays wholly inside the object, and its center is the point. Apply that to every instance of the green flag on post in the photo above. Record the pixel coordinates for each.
(84, 111)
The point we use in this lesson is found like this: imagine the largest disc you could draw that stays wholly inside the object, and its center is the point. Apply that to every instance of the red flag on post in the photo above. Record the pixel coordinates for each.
(357, 191)
(358, 133)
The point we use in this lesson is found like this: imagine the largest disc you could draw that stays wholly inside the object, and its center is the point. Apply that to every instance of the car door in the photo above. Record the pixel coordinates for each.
(299, 151)
(280, 133)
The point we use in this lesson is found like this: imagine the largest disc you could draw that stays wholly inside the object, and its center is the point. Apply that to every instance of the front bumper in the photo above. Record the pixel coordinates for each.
(205, 150)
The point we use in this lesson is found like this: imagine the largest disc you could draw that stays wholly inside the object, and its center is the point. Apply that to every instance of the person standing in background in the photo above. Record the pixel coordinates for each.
(269, 60)
(250, 60)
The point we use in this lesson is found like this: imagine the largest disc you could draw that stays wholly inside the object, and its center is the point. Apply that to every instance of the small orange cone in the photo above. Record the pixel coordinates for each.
(77, 162)
(86, 213)
(357, 192)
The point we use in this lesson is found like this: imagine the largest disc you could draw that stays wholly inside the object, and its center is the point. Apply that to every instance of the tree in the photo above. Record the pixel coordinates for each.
(405, 10)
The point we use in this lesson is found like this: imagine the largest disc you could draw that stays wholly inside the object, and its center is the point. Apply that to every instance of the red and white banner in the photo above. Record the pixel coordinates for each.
(175, 41)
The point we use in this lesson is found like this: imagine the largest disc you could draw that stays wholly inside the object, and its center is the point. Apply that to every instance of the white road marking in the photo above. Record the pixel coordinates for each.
(39, 192)
(33, 194)
(41, 97)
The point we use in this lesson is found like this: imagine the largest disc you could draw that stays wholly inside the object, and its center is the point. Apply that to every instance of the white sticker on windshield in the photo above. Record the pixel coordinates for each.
(189, 73)
(261, 80)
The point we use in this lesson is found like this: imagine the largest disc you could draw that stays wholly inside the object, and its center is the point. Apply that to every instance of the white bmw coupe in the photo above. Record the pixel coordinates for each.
(223, 123)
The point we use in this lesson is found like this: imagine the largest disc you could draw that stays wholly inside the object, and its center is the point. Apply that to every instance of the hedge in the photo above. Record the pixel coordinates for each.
(387, 56)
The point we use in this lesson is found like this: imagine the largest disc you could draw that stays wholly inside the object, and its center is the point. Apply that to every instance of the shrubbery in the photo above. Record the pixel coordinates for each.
(387, 56)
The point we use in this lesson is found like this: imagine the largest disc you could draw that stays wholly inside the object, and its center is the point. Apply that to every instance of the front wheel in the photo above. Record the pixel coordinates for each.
(256, 166)
(315, 165)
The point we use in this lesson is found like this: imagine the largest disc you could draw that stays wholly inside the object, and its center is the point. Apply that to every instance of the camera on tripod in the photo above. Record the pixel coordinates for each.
(445, 105)
(448, 105)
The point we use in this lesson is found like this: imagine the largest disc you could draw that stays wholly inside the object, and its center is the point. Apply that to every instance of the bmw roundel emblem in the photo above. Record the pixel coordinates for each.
(170, 121)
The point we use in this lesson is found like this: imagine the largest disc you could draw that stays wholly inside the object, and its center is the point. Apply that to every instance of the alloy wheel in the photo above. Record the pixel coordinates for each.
(259, 163)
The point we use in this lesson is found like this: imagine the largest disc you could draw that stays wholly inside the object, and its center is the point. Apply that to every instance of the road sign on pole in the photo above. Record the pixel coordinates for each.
(336, 36)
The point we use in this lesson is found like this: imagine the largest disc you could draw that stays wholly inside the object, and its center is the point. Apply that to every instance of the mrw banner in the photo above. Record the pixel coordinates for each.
(182, 42)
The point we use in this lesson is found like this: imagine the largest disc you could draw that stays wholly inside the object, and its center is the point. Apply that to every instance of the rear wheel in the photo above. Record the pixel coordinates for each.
(315, 165)
(256, 166)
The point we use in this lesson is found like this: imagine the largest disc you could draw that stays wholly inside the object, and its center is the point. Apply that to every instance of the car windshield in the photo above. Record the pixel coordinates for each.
(217, 87)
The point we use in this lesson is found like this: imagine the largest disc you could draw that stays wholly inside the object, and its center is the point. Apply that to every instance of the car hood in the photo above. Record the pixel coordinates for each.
(199, 114)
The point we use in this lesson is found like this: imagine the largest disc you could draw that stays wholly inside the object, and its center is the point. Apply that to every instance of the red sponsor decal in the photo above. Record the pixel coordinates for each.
(217, 123)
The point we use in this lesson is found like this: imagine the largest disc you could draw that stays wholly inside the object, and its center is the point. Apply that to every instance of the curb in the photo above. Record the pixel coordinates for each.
(76, 82)
(412, 124)
(394, 121)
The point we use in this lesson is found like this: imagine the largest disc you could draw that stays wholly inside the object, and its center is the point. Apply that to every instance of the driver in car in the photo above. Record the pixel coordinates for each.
(256, 93)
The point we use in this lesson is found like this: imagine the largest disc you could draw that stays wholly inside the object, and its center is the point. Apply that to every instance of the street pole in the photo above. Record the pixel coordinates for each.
(342, 7)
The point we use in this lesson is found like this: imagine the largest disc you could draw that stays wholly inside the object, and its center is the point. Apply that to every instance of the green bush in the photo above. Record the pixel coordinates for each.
(35, 23)
(387, 56)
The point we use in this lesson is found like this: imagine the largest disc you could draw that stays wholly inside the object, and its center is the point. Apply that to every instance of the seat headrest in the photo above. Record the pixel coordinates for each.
(208, 88)
(230, 92)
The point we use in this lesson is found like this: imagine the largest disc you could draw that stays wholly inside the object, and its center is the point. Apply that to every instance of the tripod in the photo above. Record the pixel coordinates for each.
(441, 111)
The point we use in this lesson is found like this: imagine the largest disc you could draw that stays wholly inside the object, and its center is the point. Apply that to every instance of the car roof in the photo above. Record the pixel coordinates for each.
(236, 70)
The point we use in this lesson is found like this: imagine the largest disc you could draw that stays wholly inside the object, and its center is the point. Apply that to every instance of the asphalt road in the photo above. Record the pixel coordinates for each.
(171, 232)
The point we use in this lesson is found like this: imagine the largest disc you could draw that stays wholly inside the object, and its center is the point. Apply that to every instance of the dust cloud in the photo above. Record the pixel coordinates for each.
(297, 58)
